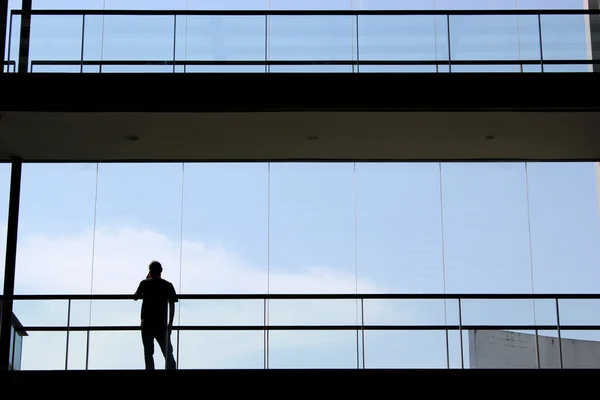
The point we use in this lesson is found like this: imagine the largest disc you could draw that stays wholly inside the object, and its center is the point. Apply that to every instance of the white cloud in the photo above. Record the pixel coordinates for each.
(62, 264)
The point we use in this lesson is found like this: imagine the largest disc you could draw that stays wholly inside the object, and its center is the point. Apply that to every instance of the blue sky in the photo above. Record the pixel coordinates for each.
(302, 228)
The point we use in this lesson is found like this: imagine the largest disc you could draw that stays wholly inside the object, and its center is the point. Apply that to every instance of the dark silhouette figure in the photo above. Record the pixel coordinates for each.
(158, 311)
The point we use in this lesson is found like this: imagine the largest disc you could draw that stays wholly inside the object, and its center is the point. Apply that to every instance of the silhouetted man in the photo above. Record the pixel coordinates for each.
(158, 311)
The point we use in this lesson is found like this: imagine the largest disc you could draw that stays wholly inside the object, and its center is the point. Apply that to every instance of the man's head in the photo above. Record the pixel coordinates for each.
(155, 268)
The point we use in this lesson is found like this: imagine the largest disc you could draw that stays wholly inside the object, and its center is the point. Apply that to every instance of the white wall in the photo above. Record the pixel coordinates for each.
(504, 349)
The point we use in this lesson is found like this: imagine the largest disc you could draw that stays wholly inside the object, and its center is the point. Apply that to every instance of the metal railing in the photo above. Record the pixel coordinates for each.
(360, 327)
(442, 36)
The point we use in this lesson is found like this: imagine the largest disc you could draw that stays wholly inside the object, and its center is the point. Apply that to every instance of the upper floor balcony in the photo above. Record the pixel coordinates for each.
(408, 41)
(416, 66)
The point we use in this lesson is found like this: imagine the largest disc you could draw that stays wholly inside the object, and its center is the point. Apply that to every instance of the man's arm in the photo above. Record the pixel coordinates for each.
(172, 301)
(171, 313)
(139, 292)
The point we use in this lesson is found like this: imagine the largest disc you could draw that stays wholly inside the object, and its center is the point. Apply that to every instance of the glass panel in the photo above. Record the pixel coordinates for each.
(55, 247)
(313, 349)
(138, 220)
(484, 37)
(405, 349)
(393, 4)
(138, 38)
(486, 234)
(4, 200)
(55, 39)
(223, 38)
(227, 5)
(399, 229)
(310, 4)
(145, 5)
(313, 312)
(312, 38)
(225, 228)
(565, 229)
(312, 231)
(565, 37)
(402, 37)
(120, 350)
(68, 4)
(17, 351)
(44, 351)
(505, 4)
(222, 350)
(501, 349)
(410, 348)
(579, 348)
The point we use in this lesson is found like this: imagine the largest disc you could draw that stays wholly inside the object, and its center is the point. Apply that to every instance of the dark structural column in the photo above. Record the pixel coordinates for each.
(23, 62)
(11, 262)
(3, 28)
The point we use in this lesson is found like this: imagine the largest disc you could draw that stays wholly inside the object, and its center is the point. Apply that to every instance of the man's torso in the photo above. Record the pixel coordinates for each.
(156, 294)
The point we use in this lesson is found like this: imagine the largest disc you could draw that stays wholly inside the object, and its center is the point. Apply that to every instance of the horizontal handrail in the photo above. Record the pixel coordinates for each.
(310, 62)
(322, 296)
(409, 327)
(307, 12)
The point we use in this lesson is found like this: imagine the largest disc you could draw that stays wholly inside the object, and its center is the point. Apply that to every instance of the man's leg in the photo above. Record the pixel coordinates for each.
(148, 342)
(164, 341)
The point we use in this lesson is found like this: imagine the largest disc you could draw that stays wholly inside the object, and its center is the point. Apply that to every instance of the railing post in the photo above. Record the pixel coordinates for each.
(362, 327)
(541, 42)
(357, 47)
(68, 336)
(460, 332)
(25, 37)
(10, 263)
(449, 51)
(560, 353)
(82, 42)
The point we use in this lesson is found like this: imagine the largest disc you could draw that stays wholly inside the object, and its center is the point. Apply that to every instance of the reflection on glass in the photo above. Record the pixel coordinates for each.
(55, 38)
(54, 253)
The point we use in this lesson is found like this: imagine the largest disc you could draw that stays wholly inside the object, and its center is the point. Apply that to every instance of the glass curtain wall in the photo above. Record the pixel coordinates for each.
(302, 228)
